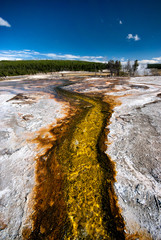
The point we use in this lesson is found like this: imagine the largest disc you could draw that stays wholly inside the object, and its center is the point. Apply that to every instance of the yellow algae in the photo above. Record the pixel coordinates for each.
(74, 196)
(85, 176)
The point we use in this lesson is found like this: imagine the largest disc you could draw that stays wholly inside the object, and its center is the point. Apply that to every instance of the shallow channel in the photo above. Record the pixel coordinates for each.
(74, 195)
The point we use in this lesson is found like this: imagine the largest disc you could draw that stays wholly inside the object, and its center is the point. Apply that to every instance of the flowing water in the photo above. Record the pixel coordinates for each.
(74, 195)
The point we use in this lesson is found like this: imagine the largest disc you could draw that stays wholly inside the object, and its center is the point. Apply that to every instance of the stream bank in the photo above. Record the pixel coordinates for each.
(74, 179)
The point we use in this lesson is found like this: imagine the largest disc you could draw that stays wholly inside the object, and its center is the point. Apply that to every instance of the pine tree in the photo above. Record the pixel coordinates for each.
(118, 67)
(111, 66)
(135, 66)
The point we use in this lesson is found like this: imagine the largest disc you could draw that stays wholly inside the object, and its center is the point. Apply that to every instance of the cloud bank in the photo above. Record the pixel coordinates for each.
(131, 36)
(33, 55)
(4, 23)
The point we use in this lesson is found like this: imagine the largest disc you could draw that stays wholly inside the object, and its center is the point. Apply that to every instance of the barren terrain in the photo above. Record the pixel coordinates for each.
(29, 107)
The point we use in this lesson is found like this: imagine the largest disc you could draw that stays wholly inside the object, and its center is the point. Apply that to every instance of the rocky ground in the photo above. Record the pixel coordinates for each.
(25, 109)
(134, 141)
(135, 136)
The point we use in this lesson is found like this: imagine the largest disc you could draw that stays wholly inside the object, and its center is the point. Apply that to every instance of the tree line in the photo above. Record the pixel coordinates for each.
(26, 67)
(154, 65)
(23, 67)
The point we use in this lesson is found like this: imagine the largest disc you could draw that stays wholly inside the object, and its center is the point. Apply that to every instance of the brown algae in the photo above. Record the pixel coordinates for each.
(74, 197)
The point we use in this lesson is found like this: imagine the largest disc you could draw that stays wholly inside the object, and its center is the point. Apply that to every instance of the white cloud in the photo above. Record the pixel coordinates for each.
(4, 23)
(143, 61)
(69, 56)
(75, 57)
(122, 59)
(151, 61)
(158, 59)
(31, 55)
(120, 22)
(17, 55)
(9, 58)
(135, 38)
(129, 36)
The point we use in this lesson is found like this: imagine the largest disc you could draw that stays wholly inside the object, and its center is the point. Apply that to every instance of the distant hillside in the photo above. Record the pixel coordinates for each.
(23, 67)
(156, 65)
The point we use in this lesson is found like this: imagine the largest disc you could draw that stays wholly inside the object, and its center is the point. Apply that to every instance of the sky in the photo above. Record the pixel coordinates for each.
(90, 30)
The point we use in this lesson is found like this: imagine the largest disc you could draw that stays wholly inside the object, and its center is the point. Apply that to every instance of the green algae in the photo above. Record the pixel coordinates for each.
(85, 177)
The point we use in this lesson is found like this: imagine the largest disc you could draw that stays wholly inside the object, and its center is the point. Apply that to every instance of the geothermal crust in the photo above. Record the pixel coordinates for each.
(135, 137)
(134, 141)
(134, 144)
(23, 112)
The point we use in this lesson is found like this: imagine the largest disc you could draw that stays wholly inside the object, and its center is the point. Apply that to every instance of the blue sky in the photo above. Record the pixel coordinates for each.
(95, 30)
